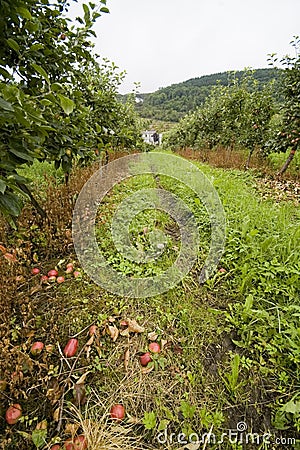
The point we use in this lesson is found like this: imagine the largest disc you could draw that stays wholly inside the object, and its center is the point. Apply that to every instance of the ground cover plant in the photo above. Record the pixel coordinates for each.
(228, 349)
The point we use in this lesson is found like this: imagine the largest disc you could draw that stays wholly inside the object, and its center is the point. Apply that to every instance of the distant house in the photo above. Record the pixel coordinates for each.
(152, 137)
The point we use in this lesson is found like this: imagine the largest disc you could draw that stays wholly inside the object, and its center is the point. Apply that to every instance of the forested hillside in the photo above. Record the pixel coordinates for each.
(173, 102)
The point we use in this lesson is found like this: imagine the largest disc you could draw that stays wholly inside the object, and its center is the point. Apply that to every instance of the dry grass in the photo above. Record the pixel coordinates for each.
(234, 159)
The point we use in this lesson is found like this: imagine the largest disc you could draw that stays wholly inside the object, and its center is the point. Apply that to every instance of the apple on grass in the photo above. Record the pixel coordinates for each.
(117, 412)
(145, 359)
(36, 348)
(13, 413)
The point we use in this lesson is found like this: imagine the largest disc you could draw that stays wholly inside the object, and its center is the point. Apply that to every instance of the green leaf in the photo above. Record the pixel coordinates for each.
(13, 44)
(5, 73)
(41, 71)
(39, 438)
(2, 186)
(56, 86)
(163, 424)
(36, 47)
(149, 420)
(187, 409)
(104, 10)
(6, 105)
(66, 103)
(10, 203)
(21, 154)
(24, 13)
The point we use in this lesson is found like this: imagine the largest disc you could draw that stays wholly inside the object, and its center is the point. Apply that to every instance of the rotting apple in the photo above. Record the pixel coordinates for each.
(145, 359)
(36, 348)
(13, 413)
(117, 412)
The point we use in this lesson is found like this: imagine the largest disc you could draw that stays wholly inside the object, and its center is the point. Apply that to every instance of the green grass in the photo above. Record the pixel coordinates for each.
(276, 161)
(232, 350)
(254, 304)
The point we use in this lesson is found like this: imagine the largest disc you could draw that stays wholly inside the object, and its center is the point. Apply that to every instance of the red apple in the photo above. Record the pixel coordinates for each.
(44, 279)
(36, 348)
(222, 270)
(69, 444)
(145, 359)
(71, 348)
(70, 268)
(13, 414)
(117, 412)
(52, 279)
(52, 273)
(60, 279)
(80, 443)
(154, 347)
(76, 273)
(55, 447)
(35, 271)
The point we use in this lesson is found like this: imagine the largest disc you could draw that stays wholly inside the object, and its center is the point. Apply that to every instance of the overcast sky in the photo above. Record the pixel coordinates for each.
(160, 42)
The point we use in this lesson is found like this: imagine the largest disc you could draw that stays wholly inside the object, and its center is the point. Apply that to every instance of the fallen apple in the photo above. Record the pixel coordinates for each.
(69, 444)
(117, 412)
(35, 271)
(145, 359)
(52, 273)
(154, 347)
(80, 443)
(44, 279)
(222, 270)
(60, 280)
(13, 414)
(77, 274)
(36, 348)
(55, 447)
(71, 348)
(52, 279)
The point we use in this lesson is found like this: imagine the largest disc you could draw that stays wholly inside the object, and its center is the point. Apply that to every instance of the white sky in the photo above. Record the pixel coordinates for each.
(160, 42)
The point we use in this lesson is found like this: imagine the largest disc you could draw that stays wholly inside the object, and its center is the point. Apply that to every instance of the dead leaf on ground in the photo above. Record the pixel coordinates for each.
(113, 332)
(133, 327)
(83, 377)
(152, 336)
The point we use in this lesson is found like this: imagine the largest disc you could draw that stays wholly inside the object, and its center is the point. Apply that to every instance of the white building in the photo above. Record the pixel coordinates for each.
(152, 137)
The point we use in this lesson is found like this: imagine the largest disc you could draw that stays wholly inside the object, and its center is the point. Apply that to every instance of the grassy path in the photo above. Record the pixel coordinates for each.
(230, 348)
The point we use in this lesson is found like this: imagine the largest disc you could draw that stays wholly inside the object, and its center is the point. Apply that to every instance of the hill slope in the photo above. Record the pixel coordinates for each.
(173, 102)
